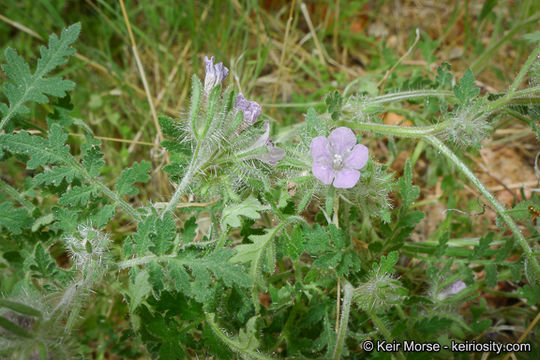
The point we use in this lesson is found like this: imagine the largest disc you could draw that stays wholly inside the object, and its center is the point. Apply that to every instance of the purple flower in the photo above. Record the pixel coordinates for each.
(452, 289)
(338, 158)
(250, 109)
(214, 74)
(274, 154)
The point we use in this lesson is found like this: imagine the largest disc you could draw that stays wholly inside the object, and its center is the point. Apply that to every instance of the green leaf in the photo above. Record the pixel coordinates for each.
(204, 270)
(443, 245)
(78, 195)
(20, 307)
(253, 252)
(179, 277)
(444, 77)
(334, 102)
(411, 218)
(13, 220)
(407, 190)
(137, 173)
(432, 325)
(465, 90)
(14, 328)
(387, 263)
(102, 217)
(165, 232)
(294, 245)
(23, 86)
(248, 338)
(189, 231)
(92, 159)
(318, 240)
(42, 263)
(248, 208)
(170, 350)
(531, 293)
(491, 275)
(55, 176)
(216, 346)
(483, 247)
(138, 290)
(169, 127)
(521, 210)
(40, 150)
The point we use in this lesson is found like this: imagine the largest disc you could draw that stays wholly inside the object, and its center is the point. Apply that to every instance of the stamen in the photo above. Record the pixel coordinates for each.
(337, 162)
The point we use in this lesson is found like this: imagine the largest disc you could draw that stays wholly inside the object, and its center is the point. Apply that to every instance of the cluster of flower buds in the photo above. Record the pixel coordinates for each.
(250, 112)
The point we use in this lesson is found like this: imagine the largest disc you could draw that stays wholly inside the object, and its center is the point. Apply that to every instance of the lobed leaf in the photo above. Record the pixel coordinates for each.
(248, 208)
(13, 220)
(137, 173)
(24, 86)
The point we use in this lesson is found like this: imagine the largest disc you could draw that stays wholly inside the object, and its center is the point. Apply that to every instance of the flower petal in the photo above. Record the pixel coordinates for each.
(346, 178)
(342, 140)
(357, 158)
(273, 156)
(323, 172)
(320, 150)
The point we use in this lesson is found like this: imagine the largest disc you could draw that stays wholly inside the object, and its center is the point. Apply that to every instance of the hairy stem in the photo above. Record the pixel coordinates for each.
(512, 98)
(409, 95)
(14, 193)
(186, 180)
(524, 69)
(412, 131)
(234, 345)
(128, 209)
(499, 208)
(348, 291)
(381, 327)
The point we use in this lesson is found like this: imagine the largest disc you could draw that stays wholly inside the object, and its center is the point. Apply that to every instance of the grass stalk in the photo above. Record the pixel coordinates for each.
(348, 292)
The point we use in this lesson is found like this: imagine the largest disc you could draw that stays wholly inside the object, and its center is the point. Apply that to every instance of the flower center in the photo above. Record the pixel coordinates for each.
(337, 162)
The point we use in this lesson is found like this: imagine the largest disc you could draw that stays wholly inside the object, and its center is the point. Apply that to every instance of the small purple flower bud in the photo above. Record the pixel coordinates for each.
(215, 74)
(250, 109)
(452, 289)
(274, 154)
(338, 158)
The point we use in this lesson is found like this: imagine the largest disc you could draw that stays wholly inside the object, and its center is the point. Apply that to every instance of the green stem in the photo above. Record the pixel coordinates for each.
(222, 238)
(234, 345)
(348, 291)
(499, 208)
(524, 69)
(14, 193)
(511, 99)
(186, 180)
(381, 327)
(412, 131)
(148, 259)
(106, 191)
(405, 95)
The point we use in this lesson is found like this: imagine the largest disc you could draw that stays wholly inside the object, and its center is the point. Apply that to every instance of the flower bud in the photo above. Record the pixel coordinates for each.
(250, 109)
(215, 74)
